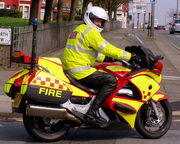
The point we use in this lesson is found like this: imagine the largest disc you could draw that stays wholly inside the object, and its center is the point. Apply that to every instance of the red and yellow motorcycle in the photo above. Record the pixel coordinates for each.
(52, 102)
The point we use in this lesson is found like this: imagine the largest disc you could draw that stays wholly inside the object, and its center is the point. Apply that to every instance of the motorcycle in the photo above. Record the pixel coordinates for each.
(52, 102)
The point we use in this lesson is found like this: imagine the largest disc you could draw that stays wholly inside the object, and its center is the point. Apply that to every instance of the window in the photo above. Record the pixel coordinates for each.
(25, 8)
(8, 6)
(14, 7)
(21, 8)
(1, 5)
(43, 1)
(42, 13)
(26, 12)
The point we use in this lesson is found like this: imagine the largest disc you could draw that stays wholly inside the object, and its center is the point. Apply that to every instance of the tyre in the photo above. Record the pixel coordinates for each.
(148, 125)
(171, 32)
(46, 129)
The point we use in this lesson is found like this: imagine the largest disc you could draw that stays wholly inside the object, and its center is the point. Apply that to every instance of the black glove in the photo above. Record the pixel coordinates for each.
(109, 59)
(133, 58)
(135, 61)
(132, 49)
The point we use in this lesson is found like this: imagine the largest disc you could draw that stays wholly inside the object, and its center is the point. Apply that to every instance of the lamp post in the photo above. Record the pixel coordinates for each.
(152, 17)
(165, 20)
(177, 13)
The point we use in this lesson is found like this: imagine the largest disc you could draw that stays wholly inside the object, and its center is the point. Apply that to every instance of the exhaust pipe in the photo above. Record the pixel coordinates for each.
(42, 111)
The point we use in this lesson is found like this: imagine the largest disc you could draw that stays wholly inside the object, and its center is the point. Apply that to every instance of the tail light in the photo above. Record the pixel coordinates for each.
(20, 57)
(18, 82)
(28, 76)
(158, 68)
(173, 25)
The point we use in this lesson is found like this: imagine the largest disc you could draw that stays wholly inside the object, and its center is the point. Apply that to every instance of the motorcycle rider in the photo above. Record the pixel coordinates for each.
(84, 46)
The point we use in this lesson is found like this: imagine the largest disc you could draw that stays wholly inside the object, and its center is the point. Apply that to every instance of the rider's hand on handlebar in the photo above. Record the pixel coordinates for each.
(109, 59)
(133, 57)
(135, 60)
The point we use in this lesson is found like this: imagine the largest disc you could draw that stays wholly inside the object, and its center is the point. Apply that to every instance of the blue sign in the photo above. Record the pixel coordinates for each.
(153, 1)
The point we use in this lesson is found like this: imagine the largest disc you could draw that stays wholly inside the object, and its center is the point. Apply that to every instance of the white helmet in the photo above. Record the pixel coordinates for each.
(98, 13)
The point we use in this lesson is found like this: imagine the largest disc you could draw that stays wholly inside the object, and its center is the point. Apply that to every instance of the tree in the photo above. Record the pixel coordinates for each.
(59, 8)
(34, 11)
(84, 8)
(172, 13)
(48, 10)
(110, 5)
(73, 10)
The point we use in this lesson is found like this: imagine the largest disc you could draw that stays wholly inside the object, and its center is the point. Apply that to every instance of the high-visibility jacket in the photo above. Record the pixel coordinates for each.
(84, 46)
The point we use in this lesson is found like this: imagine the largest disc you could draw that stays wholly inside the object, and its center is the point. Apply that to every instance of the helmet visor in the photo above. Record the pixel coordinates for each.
(96, 20)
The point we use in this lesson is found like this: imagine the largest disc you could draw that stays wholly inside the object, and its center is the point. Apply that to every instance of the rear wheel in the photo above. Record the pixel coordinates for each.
(150, 126)
(46, 129)
(171, 32)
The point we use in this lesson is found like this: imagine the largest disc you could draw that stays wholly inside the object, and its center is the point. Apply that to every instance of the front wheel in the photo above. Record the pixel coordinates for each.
(151, 126)
(45, 129)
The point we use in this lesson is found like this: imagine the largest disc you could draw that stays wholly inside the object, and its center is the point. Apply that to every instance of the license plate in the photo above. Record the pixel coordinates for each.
(17, 100)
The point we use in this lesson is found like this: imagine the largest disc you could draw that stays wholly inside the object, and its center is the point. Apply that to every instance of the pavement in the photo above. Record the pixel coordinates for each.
(121, 38)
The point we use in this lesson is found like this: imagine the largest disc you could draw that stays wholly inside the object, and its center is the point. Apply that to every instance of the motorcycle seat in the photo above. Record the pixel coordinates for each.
(83, 87)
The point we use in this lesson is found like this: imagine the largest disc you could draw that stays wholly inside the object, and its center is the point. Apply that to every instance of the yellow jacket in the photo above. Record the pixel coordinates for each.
(84, 46)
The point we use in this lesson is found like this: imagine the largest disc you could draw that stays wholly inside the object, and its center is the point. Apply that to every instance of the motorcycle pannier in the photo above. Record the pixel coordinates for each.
(47, 88)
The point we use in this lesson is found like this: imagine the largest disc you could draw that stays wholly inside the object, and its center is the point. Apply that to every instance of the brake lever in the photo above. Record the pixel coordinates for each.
(159, 57)
(127, 64)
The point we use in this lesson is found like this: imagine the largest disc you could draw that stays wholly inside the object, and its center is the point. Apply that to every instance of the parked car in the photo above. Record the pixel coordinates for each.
(156, 23)
(161, 27)
(174, 26)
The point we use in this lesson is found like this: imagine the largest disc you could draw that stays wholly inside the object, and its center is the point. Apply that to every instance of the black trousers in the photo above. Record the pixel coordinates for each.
(105, 82)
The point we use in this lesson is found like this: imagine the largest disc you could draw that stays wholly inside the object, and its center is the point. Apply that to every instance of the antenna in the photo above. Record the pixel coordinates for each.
(34, 43)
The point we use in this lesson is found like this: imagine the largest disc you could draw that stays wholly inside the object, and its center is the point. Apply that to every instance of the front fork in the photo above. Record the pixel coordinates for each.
(155, 108)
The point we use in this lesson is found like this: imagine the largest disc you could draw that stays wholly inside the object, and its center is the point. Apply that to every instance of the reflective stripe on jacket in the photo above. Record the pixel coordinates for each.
(84, 46)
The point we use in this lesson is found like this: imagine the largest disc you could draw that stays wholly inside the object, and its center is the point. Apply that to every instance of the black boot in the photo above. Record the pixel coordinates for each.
(94, 117)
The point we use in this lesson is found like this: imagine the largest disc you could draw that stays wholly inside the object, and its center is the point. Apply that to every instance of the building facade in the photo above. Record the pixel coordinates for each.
(122, 14)
(24, 6)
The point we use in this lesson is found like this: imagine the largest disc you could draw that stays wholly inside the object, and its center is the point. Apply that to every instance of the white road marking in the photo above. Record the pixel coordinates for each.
(177, 47)
(171, 77)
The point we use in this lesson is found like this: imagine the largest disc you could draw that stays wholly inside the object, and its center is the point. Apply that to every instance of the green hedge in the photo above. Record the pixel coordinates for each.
(66, 17)
(10, 13)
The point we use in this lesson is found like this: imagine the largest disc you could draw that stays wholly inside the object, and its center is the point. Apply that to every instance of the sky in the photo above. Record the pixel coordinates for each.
(162, 8)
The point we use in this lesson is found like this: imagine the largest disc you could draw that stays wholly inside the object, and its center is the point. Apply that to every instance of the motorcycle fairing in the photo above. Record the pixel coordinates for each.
(158, 96)
(119, 70)
(10, 82)
(146, 85)
(114, 68)
(77, 92)
(52, 64)
(130, 118)
(149, 73)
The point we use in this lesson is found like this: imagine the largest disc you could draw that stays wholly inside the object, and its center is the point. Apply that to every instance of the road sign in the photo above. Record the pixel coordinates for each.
(5, 36)
(153, 1)
(144, 1)
(141, 1)
(138, 8)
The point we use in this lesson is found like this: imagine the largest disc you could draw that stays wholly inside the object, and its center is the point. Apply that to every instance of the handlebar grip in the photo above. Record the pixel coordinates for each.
(159, 57)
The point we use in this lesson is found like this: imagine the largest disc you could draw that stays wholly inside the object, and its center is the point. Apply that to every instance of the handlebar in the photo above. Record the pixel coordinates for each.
(158, 57)
(37, 65)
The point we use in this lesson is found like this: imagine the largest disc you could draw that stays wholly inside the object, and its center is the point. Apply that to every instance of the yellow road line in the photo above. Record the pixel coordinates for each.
(19, 120)
(176, 120)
